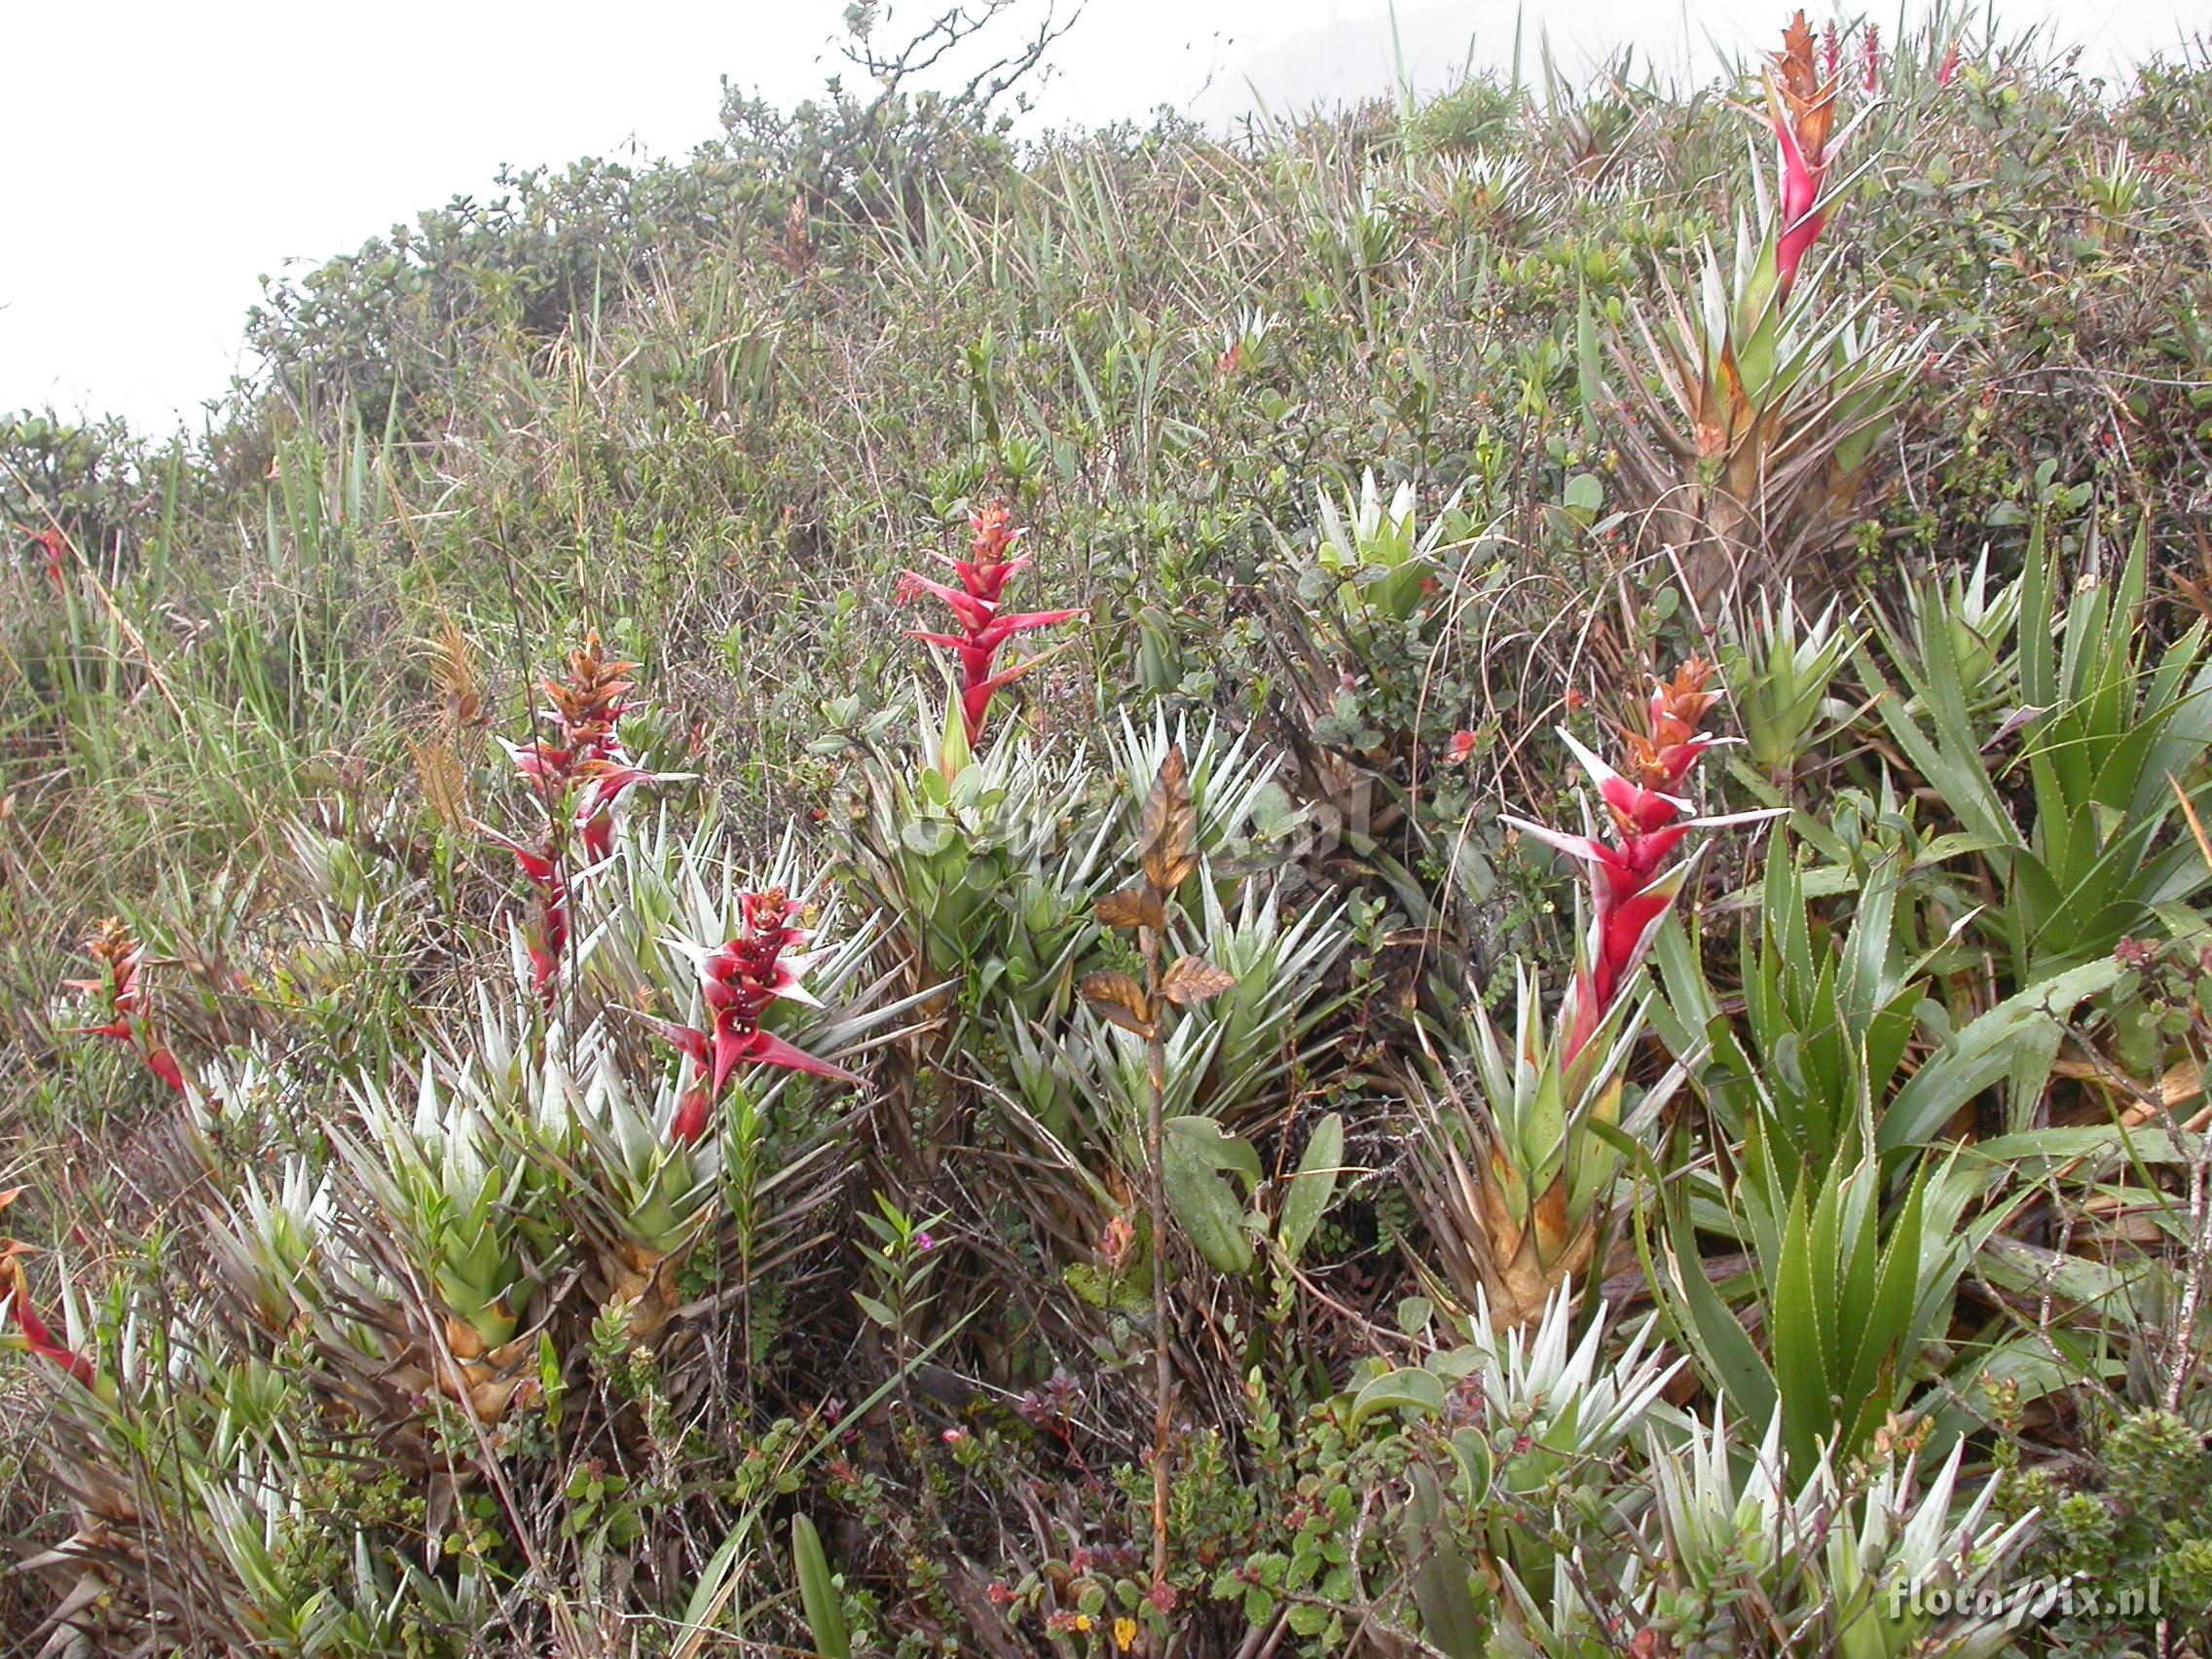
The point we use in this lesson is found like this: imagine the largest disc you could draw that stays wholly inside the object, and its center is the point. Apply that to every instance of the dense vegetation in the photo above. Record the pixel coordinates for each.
(574, 1088)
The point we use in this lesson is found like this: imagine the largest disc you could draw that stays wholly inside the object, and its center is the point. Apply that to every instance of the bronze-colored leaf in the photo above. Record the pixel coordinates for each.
(1132, 908)
(1121, 998)
(1499, 1221)
(1193, 980)
(1551, 1222)
(1169, 839)
(2197, 593)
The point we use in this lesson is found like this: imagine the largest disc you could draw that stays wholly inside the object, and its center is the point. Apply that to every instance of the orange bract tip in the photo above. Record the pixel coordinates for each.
(1809, 100)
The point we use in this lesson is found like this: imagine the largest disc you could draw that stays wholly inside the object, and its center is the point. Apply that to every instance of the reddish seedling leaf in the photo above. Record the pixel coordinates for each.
(1132, 908)
(1121, 998)
(1169, 839)
(1194, 980)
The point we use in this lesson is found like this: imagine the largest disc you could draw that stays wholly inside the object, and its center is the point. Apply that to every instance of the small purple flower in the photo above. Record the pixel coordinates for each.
(924, 1242)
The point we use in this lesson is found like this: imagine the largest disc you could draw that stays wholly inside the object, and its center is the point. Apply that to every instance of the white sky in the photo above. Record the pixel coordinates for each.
(162, 156)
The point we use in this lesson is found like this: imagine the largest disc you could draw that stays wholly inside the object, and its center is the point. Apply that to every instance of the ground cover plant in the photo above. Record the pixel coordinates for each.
(1428, 882)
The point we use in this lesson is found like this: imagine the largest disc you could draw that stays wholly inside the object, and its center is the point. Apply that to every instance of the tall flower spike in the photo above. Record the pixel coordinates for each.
(1802, 105)
(580, 774)
(1521, 1185)
(975, 608)
(120, 995)
(1632, 887)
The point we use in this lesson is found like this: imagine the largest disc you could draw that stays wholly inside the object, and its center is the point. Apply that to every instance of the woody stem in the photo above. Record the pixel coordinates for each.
(1164, 1365)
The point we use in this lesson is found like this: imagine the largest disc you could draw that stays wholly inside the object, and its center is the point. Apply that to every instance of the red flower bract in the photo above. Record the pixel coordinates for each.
(1629, 893)
(120, 996)
(738, 981)
(1802, 107)
(974, 607)
(32, 1331)
(53, 549)
(580, 774)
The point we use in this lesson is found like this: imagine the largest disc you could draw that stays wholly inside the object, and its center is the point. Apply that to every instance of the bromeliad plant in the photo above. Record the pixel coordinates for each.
(1849, 1293)
(1757, 409)
(1225, 1057)
(1539, 1417)
(1783, 665)
(1574, 1402)
(456, 1236)
(1828, 1016)
(1730, 1556)
(977, 607)
(711, 1161)
(984, 877)
(1516, 1185)
(1375, 553)
(2080, 839)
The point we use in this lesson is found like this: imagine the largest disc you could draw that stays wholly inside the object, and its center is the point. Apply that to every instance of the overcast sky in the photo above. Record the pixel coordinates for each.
(162, 156)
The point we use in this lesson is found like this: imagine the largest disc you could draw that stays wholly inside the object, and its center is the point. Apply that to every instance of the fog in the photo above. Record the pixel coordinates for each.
(165, 158)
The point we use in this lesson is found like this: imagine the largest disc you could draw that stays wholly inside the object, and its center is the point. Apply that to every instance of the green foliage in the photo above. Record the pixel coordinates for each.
(1782, 666)
(2113, 734)
(819, 1592)
(2134, 1527)
(1199, 1154)
(1375, 551)
(1827, 1017)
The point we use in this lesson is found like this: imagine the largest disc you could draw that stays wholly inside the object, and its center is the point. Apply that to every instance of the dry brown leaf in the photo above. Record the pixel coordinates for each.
(1193, 980)
(1169, 839)
(1132, 908)
(1550, 1220)
(1121, 998)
